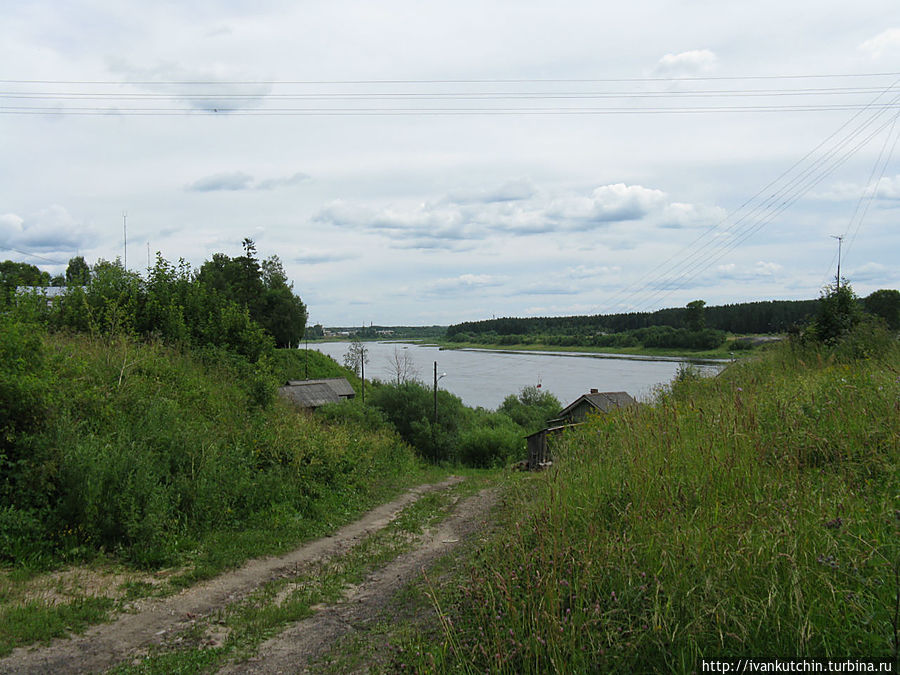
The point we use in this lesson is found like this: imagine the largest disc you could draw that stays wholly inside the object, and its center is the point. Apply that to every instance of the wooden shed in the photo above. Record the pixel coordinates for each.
(312, 394)
(539, 455)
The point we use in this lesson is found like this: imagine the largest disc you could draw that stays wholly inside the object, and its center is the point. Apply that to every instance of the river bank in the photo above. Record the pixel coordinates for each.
(726, 352)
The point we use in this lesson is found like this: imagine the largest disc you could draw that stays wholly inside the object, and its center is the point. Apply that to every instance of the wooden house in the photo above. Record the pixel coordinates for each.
(539, 455)
(595, 402)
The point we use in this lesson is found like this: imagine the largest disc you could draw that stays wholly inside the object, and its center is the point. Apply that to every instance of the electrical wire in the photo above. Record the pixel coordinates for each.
(722, 240)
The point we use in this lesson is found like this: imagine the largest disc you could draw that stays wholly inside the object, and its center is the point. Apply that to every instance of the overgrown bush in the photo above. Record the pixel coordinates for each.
(142, 449)
(531, 408)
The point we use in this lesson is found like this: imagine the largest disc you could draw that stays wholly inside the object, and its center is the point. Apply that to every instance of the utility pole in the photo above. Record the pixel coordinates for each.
(434, 419)
(362, 370)
(125, 237)
(840, 239)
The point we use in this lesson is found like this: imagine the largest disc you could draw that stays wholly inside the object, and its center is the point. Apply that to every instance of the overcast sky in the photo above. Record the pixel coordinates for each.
(433, 162)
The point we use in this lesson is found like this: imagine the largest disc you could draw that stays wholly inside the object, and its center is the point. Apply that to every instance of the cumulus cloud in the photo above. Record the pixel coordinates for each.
(874, 273)
(887, 41)
(238, 180)
(452, 220)
(686, 64)
(732, 272)
(888, 188)
(606, 204)
(423, 226)
(51, 229)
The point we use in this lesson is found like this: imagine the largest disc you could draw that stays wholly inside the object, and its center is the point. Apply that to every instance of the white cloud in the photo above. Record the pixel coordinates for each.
(886, 42)
(888, 188)
(238, 180)
(452, 219)
(874, 273)
(678, 215)
(743, 273)
(606, 204)
(686, 64)
(52, 229)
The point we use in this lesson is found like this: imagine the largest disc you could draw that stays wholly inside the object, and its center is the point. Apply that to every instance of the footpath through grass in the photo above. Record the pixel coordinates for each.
(756, 514)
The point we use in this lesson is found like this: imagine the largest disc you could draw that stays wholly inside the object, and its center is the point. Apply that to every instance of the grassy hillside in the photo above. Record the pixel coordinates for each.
(160, 456)
(753, 514)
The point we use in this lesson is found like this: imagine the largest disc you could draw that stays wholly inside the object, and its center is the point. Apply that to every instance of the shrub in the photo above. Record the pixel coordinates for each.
(489, 446)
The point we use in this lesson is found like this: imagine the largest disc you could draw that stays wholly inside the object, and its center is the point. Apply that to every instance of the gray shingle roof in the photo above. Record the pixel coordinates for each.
(315, 393)
(603, 401)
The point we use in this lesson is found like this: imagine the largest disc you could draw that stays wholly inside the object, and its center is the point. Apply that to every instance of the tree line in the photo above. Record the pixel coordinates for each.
(691, 325)
(243, 304)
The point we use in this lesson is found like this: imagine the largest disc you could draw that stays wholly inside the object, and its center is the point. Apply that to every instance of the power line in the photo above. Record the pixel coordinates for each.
(31, 255)
(383, 112)
(795, 182)
(707, 78)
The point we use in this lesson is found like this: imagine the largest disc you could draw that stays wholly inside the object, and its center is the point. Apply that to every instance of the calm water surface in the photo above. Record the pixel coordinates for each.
(485, 377)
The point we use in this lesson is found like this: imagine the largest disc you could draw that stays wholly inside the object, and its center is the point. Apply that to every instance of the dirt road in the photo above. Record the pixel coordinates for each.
(152, 620)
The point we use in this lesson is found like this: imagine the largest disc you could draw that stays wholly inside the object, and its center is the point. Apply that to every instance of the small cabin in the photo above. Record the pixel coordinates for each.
(595, 402)
(312, 394)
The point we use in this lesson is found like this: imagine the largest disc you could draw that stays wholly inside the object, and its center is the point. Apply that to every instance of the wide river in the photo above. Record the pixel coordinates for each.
(485, 377)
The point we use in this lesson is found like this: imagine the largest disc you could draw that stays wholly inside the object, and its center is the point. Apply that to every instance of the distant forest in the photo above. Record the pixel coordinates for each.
(772, 316)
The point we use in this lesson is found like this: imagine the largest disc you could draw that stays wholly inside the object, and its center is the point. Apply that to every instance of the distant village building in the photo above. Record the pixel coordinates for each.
(312, 394)
(48, 292)
(575, 413)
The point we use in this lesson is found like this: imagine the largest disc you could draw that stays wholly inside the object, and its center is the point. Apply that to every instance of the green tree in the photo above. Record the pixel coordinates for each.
(78, 273)
(13, 274)
(838, 313)
(886, 304)
(695, 316)
(531, 408)
(282, 313)
(262, 288)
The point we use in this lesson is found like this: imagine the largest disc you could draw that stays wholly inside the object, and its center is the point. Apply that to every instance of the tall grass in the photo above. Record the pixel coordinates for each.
(753, 514)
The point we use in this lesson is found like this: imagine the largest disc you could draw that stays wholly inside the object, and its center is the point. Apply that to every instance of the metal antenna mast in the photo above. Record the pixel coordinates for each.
(840, 238)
